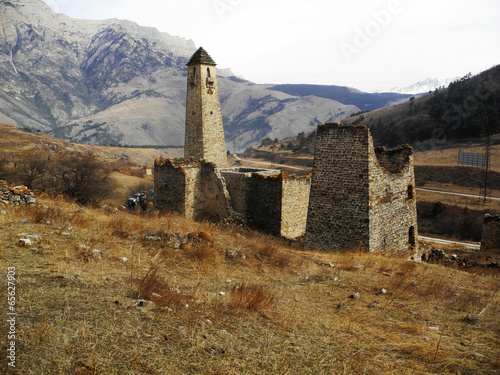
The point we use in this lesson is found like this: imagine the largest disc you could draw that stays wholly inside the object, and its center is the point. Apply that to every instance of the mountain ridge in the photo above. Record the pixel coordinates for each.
(116, 82)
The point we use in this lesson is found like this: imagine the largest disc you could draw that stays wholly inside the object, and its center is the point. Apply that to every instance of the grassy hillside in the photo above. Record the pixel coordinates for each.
(100, 291)
(468, 108)
(195, 298)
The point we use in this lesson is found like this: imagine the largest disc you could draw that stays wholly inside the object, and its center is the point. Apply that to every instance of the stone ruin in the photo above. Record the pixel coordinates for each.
(17, 195)
(490, 239)
(358, 197)
(361, 197)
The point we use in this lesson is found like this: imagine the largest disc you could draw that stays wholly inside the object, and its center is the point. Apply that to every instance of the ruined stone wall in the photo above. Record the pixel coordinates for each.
(338, 216)
(393, 212)
(169, 186)
(216, 204)
(237, 184)
(204, 138)
(490, 240)
(194, 189)
(295, 202)
(264, 203)
(361, 198)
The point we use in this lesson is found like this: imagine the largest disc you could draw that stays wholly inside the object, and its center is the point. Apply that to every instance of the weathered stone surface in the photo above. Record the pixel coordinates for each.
(490, 240)
(204, 137)
(361, 198)
(18, 195)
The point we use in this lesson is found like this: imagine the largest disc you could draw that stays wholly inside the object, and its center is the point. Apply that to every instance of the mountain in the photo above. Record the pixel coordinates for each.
(421, 87)
(469, 108)
(115, 82)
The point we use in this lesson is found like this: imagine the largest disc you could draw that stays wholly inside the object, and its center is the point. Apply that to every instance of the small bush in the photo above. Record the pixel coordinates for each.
(273, 255)
(255, 298)
(153, 288)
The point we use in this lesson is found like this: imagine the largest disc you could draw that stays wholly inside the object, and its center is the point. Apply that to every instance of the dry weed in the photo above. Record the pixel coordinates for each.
(153, 288)
(252, 297)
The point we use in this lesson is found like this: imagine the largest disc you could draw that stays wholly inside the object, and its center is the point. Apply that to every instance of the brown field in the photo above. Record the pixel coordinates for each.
(206, 311)
(199, 298)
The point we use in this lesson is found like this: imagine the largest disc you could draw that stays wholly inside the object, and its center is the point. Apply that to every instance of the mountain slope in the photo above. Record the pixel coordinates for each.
(468, 108)
(115, 82)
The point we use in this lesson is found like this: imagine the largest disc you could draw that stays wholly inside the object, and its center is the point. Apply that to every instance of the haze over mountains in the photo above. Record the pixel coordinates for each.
(115, 82)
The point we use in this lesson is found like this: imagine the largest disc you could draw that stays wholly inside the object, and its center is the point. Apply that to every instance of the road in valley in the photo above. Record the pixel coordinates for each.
(468, 245)
(459, 194)
(267, 163)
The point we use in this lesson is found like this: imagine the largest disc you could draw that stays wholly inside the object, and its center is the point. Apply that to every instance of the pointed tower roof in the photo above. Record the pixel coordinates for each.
(201, 57)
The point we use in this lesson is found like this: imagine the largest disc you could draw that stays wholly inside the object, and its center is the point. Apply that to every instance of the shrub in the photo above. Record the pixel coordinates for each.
(80, 177)
(153, 288)
(254, 297)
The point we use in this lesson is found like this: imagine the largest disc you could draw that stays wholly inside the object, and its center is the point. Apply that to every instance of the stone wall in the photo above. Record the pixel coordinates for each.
(361, 198)
(170, 186)
(194, 189)
(338, 217)
(295, 202)
(490, 240)
(393, 212)
(264, 203)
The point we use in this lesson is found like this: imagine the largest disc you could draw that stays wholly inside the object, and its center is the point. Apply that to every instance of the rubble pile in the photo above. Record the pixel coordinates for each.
(17, 195)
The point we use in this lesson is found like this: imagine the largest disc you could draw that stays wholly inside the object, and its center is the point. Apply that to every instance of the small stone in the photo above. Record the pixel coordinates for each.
(229, 281)
(96, 253)
(471, 319)
(123, 259)
(478, 355)
(25, 242)
(31, 200)
(330, 264)
(33, 237)
(382, 291)
(354, 296)
(47, 252)
(78, 277)
(374, 305)
(359, 267)
(24, 221)
(434, 328)
(66, 234)
(174, 243)
(222, 293)
(341, 305)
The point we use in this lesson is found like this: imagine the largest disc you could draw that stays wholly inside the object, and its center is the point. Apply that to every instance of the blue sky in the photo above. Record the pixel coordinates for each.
(367, 44)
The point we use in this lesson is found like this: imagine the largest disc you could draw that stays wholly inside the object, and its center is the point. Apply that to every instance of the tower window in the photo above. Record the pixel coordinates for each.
(410, 192)
(208, 72)
(411, 236)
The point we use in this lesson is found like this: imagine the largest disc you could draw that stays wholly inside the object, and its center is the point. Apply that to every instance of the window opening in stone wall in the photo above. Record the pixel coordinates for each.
(411, 236)
(193, 77)
(208, 72)
(410, 192)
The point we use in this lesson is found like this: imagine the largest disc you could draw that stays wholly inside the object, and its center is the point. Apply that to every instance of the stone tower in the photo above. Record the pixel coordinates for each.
(204, 139)
(362, 198)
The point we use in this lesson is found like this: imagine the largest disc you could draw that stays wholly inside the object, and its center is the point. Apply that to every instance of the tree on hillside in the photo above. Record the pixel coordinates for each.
(82, 178)
(30, 170)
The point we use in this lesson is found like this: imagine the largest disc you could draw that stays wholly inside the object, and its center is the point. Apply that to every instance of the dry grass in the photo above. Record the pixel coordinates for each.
(267, 309)
(252, 297)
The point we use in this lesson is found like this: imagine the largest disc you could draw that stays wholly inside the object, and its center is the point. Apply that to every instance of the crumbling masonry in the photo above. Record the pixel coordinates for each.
(204, 189)
(490, 240)
(361, 197)
(358, 198)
